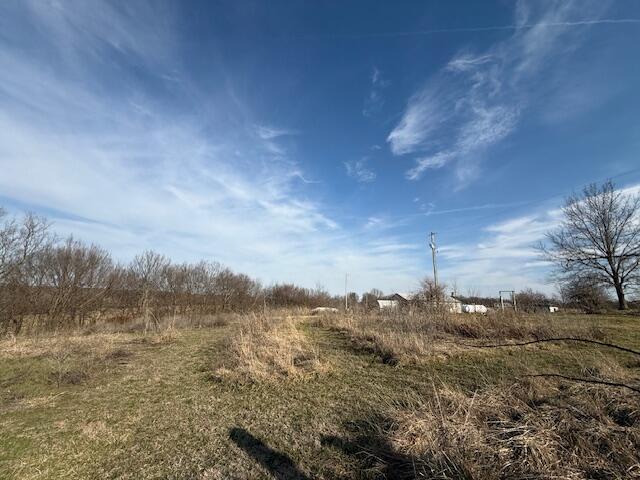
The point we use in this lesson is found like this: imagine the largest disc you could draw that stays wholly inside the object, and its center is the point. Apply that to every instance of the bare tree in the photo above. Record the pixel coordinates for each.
(585, 293)
(147, 270)
(599, 238)
(77, 278)
(430, 292)
(179, 282)
(531, 301)
(369, 300)
(204, 275)
(473, 292)
(376, 293)
(20, 241)
(352, 299)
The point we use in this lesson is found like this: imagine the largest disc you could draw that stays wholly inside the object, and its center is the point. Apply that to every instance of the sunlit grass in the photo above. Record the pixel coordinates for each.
(162, 405)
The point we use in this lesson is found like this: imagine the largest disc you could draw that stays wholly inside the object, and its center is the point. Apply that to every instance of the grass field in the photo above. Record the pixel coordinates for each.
(301, 397)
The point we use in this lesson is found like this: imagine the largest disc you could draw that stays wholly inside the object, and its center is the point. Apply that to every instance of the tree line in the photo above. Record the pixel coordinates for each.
(65, 283)
(62, 283)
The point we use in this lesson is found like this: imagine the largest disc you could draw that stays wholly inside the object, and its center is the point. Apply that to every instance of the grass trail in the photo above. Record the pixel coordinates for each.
(155, 412)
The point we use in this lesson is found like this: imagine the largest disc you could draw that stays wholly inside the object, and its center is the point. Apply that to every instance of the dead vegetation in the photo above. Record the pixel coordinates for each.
(381, 396)
(52, 285)
(530, 429)
(411, 337)
(267, 347)
(540, 424)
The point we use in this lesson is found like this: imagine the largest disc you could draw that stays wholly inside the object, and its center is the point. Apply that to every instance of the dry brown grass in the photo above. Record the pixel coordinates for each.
(56, 345)
(521, 427)
(128, 405)
(167, 322)
(33, 326)
(404, 337)
(76, 358)
(532, 429)
(268, 347)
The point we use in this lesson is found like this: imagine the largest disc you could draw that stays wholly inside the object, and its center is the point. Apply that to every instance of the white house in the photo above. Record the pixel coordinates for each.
(452, 304)
(394, 300)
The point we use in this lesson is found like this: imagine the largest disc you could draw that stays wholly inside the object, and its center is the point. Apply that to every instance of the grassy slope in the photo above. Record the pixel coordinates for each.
(150, 409)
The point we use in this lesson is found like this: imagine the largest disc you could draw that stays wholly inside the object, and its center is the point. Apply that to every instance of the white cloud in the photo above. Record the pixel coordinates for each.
(129, 171)
(438, 160)
(374, 101)
(506, 258)
(466, 61)
(384, 222)
(358, 170)
(485, 206)
(477, 100)
(268, 133)
(373, 222)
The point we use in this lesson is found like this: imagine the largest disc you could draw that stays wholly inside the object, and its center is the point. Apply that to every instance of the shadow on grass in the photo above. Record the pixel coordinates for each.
(278, 464)
(369, 444)
(363, 345)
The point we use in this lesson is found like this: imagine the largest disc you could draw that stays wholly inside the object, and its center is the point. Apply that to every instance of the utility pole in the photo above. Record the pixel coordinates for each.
(346, 299)
(433, 257)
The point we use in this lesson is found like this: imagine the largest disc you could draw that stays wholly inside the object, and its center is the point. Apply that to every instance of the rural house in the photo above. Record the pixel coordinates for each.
(395, 300)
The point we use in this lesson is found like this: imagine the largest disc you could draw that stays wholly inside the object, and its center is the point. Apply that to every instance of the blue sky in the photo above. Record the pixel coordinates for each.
(299, 141)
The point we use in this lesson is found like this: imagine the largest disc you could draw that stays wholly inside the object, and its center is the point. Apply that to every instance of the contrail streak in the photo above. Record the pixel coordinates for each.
(577, 23)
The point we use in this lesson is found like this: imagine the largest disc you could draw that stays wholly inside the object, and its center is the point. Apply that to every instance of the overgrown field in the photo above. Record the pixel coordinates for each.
(293, 396)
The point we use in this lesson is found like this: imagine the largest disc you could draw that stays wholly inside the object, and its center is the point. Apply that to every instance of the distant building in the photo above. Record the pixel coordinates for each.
(453, 304)
(395, 300)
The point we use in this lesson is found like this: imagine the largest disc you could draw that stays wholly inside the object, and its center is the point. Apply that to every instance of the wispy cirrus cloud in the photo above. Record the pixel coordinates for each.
(266, 132)
(360, 171)
(506, 254)
(191, 175)
(269, 137)
(479, 98)
(504, 258)
(374, 100)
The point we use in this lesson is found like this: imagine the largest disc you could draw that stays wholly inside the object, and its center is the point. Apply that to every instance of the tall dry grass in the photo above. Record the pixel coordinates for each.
(135, 324)
(409, 336)
(267, 347)
(526, 430)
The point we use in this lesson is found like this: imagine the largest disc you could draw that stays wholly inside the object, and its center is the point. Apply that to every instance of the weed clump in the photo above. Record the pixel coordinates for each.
(267, 348)
(526, 430)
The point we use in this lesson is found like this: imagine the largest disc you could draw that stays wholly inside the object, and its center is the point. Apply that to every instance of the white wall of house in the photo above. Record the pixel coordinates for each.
(387, 303)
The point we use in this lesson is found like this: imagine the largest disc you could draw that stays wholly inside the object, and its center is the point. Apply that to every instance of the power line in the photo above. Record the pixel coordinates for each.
(423, 215)
(489, 28)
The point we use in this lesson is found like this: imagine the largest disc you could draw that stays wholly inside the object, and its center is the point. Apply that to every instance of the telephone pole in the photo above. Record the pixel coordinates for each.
(433, 257)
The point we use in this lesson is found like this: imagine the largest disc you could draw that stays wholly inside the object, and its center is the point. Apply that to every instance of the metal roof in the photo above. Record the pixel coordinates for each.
(410, 296)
